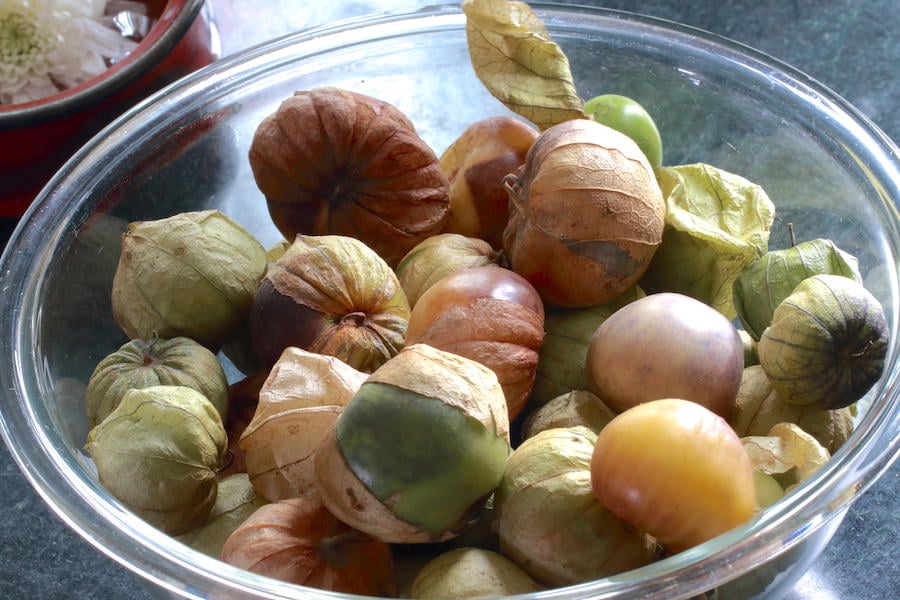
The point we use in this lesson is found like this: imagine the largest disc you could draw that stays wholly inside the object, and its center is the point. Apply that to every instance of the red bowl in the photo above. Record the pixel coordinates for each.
(37, 137)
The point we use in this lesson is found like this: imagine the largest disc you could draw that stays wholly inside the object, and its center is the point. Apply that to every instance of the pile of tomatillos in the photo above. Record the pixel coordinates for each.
(537, 359)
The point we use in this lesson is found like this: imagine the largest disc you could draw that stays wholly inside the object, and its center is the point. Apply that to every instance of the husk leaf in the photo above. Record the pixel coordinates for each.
(786, 448)
(514, 57)
(716, 224)
(767, 281)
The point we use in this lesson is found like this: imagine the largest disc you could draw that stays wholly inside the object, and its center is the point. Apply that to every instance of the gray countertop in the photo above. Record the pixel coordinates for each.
(850, 46)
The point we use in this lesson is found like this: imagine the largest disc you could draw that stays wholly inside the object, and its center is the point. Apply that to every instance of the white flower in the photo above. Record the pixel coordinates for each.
(50, 45)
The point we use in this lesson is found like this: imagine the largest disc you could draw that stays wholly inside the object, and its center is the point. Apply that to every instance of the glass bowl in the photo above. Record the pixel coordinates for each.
(37, 137)
(828, 170)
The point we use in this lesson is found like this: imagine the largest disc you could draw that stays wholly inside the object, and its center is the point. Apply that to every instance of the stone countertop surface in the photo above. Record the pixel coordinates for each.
(850, 46)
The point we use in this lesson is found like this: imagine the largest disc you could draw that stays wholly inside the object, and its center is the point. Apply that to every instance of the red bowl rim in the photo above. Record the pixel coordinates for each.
(174, 22)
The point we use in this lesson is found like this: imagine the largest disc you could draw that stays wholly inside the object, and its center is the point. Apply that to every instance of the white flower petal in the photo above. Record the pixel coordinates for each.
(46, 45)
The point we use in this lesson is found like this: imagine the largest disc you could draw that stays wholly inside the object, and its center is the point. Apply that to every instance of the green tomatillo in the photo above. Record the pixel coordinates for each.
(765, 282)
(827, 343)
(418, 448)
(158, 453)
(628, 116)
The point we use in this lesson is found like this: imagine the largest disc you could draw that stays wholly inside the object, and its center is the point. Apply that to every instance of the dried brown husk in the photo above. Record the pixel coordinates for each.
(514, 57)
(350, 301)
(193, 274)
(586, 214)
(334, 161)
(545, 507)
(143, 363)
(758, 408)
(438, 256)
(475, 163)
(298, 541)
(298, 404)
(158, 452)
(501, 334)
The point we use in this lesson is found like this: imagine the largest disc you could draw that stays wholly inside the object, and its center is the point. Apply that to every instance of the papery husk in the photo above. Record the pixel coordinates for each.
(450, 378)
(419, 374)
(573, 409)
(586, 214)
(143, 363)
(193, 274)
(502, 335)
(827, 343)
(236, 500)
(471, 573)
(303, 379)
(158, 452)
(514, 57)
(786, 449)
(336, 481)
(438, 256)
(763, 284)
(475, 163)
(545, 507)
(758, 408)
(298, 403)
(298, 541)
(333, 161)
(342, 283)
(279, 455)
(277, 250)
(717, 223)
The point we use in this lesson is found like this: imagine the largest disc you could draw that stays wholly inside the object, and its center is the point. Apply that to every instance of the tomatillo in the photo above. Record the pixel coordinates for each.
(628, 116)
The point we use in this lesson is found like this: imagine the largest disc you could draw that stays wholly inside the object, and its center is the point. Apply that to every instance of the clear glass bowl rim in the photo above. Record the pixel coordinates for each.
(95, 515)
